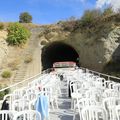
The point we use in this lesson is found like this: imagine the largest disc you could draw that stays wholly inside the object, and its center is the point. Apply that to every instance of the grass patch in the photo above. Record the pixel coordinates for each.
(3, 93)
(6, 74)
(1, 26)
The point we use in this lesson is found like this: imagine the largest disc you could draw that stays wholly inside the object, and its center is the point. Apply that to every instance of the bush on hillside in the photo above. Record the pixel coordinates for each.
(17, 34)
(6, 74)
(1, 26)
(3, 93)
(89, 17)
(69, 25)
(108, 11)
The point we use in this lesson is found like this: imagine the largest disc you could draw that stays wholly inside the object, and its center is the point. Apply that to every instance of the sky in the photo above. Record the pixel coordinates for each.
(50, 11)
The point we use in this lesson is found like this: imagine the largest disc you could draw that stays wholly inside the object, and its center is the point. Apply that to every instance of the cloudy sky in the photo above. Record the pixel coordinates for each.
(50, 11)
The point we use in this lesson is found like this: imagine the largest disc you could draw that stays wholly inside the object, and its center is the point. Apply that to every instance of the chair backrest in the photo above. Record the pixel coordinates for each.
(110, 93)
(20, 105)
(74, 85)
(7, 114)
(116, 86)
(84, 102)
(28, 115)
(18, 93)
(94, 113)
(110, 104)
(94, 93)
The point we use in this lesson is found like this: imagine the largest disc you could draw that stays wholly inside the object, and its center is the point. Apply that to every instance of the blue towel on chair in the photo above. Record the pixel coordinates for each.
(42, 106)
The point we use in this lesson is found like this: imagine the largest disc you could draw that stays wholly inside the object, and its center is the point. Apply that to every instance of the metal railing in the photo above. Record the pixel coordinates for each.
(107, 77)
(23, 82)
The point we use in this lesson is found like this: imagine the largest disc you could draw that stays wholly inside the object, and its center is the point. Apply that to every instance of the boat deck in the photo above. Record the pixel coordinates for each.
(64, 111)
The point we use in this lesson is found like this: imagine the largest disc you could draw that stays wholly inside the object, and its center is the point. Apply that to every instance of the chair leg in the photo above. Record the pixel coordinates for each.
(56, 103)
(74, 116)
(52, 105)
(72, 102)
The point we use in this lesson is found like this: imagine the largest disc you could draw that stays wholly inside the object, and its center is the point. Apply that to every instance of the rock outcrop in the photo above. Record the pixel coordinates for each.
(93, 53)
(96, 53)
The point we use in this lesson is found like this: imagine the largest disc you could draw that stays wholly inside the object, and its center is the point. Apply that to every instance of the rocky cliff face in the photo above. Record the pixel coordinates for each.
(93, 53)
(96, 53)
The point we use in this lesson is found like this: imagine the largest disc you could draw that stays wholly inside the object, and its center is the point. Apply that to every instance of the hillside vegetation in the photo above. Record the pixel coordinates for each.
(12, 55)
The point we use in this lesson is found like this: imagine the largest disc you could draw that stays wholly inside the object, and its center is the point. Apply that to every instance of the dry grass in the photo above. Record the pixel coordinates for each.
(14, 64)
(3, 34)
(28, 59)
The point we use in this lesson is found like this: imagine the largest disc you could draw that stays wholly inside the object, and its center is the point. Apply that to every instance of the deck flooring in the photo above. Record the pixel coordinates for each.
(64, 111)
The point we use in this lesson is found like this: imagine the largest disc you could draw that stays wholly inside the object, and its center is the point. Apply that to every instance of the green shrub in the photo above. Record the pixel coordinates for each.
(69, 25)
(17, 34)
(89, 17)
(3, 93)
(108, 11)
(1, 26)
(6, 74)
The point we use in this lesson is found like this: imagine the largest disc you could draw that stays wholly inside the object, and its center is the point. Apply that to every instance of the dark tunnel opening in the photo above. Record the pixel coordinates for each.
(57, 52)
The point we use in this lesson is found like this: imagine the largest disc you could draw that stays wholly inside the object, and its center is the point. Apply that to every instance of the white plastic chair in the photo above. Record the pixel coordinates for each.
(109, 104)
(32, 104)
(94, 93)
(110, 93)
(52, 95)
(7, 114)
(74, 85)
(20, 105)
(118, 112)
(84, 102)
(28, 115)
(94, 113)
(116, 87)
(19, 93)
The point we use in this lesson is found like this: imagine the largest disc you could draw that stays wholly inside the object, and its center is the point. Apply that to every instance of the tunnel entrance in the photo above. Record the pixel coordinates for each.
(57, 52)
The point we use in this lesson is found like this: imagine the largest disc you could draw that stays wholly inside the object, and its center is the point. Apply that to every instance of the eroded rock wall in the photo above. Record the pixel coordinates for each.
(93, 53)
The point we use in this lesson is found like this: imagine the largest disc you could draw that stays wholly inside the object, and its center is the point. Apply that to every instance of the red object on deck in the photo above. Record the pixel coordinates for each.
(64, 64)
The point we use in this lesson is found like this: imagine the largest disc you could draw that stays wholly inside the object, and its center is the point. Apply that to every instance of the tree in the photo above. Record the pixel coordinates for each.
(25, 17)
